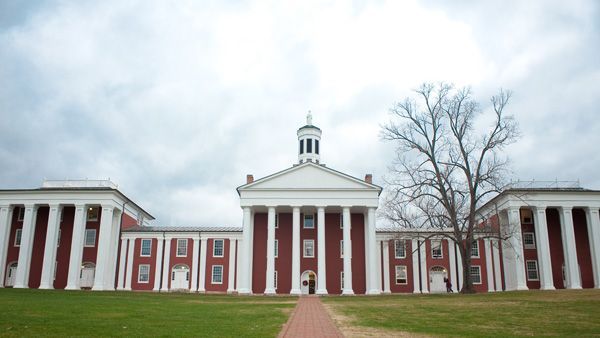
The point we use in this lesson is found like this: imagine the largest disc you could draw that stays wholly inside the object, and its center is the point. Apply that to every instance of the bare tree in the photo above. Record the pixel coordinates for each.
(445, 167)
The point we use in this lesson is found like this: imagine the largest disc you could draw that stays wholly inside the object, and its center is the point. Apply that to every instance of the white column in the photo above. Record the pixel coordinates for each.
(270, 280)
(77, 241)
(569, 248)
(366, 245)
(114, 244)
(452, 262)
(543, 249)
(158, 267)
(496, 257)
(459, 270)
(232, 254)
(194, 269)
(202, 282)
(321, 278)
(130, 253)
(423, 263)
(103, 256)
(515, 247)
(374, 288)
(166, 274)
(5, 225)
(593, 226)
(27, 234)
(122, 264)
(415, 265)
(49, 262)
(347, 253)
(386, 266)
(295, 251)
(488, 264)
(245, 257)
(378, 250)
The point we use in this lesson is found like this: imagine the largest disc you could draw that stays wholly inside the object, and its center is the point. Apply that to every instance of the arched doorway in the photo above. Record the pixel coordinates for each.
(11, 274)
(437, 274)
(180, 277)
(86, 276)
(308, 282)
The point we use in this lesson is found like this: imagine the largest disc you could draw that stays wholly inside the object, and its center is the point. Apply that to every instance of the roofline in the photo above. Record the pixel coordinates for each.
(309, 126)
(199, 229)
(305, 164)
(82, 189)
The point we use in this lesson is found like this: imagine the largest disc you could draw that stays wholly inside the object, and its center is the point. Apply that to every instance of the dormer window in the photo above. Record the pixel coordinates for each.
(309, 145)
(301, 146)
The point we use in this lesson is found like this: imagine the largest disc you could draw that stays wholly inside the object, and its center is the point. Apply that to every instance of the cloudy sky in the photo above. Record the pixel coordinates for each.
(176, 101)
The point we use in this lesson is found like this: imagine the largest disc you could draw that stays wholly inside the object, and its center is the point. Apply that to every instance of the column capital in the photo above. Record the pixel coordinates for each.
(540, 207)
(5, 206)
(295, 208)
(385, 243)
(320, 207)
(54, 205)
(565, 208)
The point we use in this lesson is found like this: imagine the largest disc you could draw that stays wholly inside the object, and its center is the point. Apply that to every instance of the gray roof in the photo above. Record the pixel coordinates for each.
(309, 126)
(183, 229)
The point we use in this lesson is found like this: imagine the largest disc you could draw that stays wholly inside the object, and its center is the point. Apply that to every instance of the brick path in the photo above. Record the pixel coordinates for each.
(310, 319)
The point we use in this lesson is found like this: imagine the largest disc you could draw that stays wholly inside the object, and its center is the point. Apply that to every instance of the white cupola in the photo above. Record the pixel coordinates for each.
(309, 142)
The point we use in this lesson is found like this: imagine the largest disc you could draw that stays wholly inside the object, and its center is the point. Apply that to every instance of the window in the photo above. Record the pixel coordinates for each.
(475, 249)
(182, 247)
(20, 214)
(401, 274)
(217, 274)
(476, 274)
(90, 238)
(342, 248)
(58, 239)
(532, 270)
(146, 248)
(341, 221)
(276, 221)
(276, 248)
(528, 240)
(218, 248)
(436, 249)
(526, 216)
(309, 145)
(309, 248)
(301, 146)
(309, 221)
(275, 280)
(62, 213)
(317, 147)
(18, 237)
(342, 280)
(92, 214)
(55, 266)
(144, 273)
(400, 248)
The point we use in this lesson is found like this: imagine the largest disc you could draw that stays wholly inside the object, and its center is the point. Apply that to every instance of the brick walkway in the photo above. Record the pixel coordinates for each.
(310, 319)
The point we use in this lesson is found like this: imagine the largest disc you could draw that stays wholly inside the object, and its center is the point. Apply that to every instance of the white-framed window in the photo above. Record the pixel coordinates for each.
(217, 274)
(436, 249)
(93, 213)
(342, 280)
(146, 247)
(400, 248)
(341, 221)
(401, 275)
(182, 247)
(309, 221)
(475, 249)
(309, 248)
(20, 214)
(144, 273)
(276, 220)
(18, 234)
(58, 239)
(341, 248)
(90, 238)
(532, 270)
(276, 248)
(275, 280)
(218, 245)
(476, 274)
(62, 214)
(528, 240)
(55, 266)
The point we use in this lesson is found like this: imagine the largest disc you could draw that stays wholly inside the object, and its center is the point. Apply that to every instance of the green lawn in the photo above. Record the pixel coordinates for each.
(83, 313)
(549, 313)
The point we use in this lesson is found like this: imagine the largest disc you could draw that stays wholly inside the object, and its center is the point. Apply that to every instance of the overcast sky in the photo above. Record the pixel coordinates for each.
(177, 101)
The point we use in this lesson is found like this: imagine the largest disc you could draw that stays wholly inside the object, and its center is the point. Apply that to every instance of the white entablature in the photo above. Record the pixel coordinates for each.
(309, 184)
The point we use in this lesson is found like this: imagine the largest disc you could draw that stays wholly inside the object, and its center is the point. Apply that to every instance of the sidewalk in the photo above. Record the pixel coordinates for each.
(310, 319)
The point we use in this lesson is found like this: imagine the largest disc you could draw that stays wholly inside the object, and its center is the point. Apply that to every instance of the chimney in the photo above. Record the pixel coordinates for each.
(369, 178)
(249, 178)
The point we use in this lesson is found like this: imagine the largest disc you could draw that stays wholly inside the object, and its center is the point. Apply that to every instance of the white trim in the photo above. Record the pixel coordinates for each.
(439, 246)
(405, 274)
(181, 240)
(537, 270)
(140, 273)
(476, 242)
(212, 275)
(20, 237)
(312, 242)
(222, 247)
(276, 220)
(20, 214)
(85, 245)
(304, 221)
(142, 247)
(529, 246)
(276, 248)
(341, 220)
(58, 238)
(87, 214)
(342, 280)
(341, 248)
(478, 267)
(276, 280)
(396, 248)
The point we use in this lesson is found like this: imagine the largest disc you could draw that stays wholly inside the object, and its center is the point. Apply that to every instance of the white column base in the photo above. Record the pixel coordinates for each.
(322, 292)
(347, 292)
(270, 292)
(241, 291)
(575, 288)
(164, 290)
(72, 287)
(127, 289)
(416, 291)
(425, 291)
(386, 293)
(20, 287)
(46, 287)
(295, 292)
(522, 288)
(549, 287)
(373, 292)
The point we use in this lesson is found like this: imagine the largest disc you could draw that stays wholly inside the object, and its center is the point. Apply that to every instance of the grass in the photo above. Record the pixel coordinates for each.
(548, 313)
(25, 312)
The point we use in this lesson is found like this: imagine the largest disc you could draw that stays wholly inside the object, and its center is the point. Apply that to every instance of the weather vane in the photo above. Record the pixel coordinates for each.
(309, 118)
